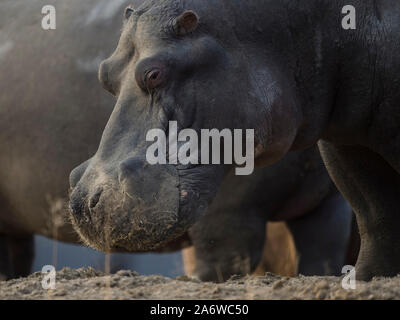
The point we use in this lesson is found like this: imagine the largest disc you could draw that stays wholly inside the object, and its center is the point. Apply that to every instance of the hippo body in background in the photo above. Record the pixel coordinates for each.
(287, 69)
(52, 114)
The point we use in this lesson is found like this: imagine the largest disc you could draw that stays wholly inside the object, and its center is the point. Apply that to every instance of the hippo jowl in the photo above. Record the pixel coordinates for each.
(287, 69)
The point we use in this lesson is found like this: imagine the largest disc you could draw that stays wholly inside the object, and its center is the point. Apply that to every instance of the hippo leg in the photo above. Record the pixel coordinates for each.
(354, 244)
(22, 251)
(321, 237)
(372, 187)
(16, 256)
(220, 251)
(5, 263)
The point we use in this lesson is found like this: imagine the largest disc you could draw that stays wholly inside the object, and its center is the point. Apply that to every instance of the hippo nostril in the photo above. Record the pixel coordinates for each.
(76, 203)
(94, 200)
(75, 207)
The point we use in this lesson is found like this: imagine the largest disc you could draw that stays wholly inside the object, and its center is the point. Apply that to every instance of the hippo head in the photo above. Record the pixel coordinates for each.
(183, 62)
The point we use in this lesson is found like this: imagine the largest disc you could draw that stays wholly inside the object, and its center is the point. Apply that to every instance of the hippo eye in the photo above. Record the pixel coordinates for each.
(151, 74)
(153, 78)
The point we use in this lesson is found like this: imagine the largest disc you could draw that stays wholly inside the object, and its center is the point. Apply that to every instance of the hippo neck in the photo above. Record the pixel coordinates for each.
(326, 59)
(312, 45)
(329, 59)
(304, 38)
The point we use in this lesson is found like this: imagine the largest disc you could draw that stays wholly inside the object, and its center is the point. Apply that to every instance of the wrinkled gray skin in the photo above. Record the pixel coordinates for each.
(230, 237)
(285, 68)
(52, 114)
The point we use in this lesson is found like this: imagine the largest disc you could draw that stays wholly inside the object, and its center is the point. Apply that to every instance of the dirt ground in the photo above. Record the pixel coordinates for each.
(91, 284)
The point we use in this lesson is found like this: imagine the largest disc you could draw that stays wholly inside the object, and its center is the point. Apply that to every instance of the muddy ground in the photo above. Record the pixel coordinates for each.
(91, 284)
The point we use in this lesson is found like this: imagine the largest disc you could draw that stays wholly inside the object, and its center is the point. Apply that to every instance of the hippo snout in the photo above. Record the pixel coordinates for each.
(133, 208)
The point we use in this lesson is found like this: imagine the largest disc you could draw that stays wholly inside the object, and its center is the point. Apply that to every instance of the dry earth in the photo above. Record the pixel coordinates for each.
(91, 284)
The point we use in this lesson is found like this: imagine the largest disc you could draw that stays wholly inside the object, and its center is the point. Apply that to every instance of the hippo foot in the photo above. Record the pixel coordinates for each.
(368, 271)
(378, 260)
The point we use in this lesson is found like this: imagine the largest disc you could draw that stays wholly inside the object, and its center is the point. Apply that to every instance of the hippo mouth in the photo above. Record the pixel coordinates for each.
(125, 217)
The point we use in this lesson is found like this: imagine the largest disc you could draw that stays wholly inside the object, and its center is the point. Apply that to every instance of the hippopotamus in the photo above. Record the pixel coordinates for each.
(52, 116)
(289, 70)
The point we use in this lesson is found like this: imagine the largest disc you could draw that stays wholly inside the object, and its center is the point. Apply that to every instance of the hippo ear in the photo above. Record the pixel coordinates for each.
(187, 22)
(128, 12)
